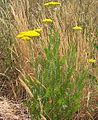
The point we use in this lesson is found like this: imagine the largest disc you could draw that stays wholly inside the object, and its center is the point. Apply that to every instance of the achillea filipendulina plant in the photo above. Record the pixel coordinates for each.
(77, 28)
(47, 20)
(52, 4)
(63, 92)
(58, 94)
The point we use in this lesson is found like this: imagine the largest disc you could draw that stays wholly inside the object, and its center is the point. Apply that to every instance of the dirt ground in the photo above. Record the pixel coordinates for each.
(10, 110)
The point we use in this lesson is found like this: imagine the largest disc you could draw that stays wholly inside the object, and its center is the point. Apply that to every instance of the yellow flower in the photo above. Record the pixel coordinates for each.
(26, 38)
(47, 20)
(20, 35)
(38, 30)
(30, 33)
(52, 4)
(77, 28)
(91, 61)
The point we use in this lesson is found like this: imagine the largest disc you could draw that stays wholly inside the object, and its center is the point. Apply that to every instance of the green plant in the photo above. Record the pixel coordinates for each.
(58, 87)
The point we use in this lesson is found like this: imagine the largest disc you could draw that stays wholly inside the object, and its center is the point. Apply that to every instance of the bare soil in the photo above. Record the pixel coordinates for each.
(10, 110)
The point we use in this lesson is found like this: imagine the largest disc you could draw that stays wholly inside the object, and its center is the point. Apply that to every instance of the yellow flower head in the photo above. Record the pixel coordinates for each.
(26, 38)
(38, 30)
(52, 4)
(47, 20)
(91, 61)
(77, 28)
(20, 35)
(30, 33)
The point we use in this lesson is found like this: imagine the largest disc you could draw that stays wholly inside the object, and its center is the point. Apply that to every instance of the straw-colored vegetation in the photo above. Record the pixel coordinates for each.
(53, 48)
